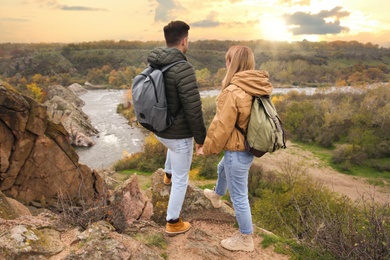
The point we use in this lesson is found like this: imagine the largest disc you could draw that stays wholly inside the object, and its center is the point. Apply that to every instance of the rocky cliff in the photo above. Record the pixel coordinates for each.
(65, 107)
(37, 162)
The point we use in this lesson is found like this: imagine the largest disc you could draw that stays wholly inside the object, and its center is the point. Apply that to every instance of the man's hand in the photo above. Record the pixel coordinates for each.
(199, 149)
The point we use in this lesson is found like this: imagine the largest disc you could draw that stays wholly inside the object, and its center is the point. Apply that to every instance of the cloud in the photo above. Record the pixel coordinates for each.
(209, 22)
(205, 23)
(334, 12)
(55, 5)
(164, 10)
(78, 8)
(306, 23)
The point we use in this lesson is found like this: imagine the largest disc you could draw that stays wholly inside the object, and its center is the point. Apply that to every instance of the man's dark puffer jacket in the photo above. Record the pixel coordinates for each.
(182, 96)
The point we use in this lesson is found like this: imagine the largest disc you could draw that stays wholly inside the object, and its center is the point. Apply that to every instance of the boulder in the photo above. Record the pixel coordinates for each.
(77, 89)
(195, 207)
(12, 209)
(129, 204)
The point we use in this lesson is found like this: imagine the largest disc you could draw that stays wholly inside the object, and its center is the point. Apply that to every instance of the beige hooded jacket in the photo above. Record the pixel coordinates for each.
(234, 106)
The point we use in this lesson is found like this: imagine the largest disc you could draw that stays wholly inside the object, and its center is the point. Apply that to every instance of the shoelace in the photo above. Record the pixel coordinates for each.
(236, 236)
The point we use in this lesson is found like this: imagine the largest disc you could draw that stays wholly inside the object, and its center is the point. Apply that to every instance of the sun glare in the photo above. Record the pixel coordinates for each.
(274, 29)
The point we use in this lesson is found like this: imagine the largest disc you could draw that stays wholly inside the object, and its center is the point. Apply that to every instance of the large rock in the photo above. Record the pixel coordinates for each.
(12, 209)
(129, 204)
(38, 165)
(195, 207)
(77, 89)
(66, 94)
(75, 121)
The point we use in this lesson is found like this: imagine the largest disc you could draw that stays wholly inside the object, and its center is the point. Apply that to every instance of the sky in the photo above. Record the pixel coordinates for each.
(74, 21)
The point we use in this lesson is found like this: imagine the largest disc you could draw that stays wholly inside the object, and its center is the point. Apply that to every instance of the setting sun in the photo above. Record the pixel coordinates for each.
(274, 29)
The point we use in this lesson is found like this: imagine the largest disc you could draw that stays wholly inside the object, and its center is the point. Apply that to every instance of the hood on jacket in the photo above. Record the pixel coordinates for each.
(160, 57)
(253, 82)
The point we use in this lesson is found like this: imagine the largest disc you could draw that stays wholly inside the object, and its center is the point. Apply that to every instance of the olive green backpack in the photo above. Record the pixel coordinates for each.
(265, 131)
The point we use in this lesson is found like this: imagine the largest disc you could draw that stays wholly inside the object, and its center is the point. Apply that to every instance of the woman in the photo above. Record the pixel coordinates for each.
(240, 84)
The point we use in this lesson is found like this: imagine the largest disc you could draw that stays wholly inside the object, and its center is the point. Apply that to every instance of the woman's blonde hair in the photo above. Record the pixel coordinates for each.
(240, 58)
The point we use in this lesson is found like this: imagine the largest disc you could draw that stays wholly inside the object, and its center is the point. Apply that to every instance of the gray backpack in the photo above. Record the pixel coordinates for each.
(265, 131)
(149, 100)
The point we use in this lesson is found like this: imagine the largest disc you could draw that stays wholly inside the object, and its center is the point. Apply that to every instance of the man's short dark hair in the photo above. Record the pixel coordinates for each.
(174, 32)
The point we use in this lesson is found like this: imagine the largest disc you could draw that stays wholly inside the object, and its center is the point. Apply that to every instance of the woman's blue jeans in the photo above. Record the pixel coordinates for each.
(178, 163)
(233, 170)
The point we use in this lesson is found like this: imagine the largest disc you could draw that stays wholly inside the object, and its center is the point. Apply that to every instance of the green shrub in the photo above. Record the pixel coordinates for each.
(207, 166)
(152, 158)
(295, 207)
(126, 111)
(209, 109)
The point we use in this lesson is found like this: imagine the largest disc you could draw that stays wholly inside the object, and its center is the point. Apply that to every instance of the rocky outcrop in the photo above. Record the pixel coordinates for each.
(45, 236)
(195, 207)
(129, 204)
(38, 165)
(65, 107)
(121, 228)
(65, 94)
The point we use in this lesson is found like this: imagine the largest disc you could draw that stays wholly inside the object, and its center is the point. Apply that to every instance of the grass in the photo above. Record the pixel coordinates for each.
(325, 155)
(144, 178)
(290, 247)
(373, 176)
(156, 240)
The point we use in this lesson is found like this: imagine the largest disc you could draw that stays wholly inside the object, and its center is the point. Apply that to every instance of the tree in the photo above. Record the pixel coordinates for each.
(203, 78)
(218, 77)
(36, 92)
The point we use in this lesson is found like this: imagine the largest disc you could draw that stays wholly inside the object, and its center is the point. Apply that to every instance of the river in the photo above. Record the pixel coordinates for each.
(116, 136)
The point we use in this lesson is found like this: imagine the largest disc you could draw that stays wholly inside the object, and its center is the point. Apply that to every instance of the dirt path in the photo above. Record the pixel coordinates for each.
(350, 186)
(202, 241)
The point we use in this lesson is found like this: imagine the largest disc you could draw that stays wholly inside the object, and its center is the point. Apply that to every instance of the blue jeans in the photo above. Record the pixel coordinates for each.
(233, 170)
(178, 163)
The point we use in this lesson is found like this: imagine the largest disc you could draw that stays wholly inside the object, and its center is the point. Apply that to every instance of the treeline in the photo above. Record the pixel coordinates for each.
(116, 63)
(355, 124)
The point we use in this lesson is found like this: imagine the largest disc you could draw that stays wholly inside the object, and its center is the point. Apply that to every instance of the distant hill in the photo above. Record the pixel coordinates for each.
(297, 63)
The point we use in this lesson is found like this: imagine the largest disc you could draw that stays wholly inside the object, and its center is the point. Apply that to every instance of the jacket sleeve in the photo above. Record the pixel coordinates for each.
(190, 99)
(222, 125)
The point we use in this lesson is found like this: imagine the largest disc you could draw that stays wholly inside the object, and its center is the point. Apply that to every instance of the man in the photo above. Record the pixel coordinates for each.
(185, 105)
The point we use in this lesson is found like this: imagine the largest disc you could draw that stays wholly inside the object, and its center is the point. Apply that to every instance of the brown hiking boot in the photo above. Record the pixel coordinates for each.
(177, 228)
(239, 242)
(167, 178)
(213, 197)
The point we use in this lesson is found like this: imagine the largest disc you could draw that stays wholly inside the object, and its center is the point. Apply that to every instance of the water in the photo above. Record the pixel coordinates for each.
(115, 136)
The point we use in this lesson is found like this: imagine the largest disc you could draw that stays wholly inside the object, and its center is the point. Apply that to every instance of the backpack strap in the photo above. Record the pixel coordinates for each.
(240, 129)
